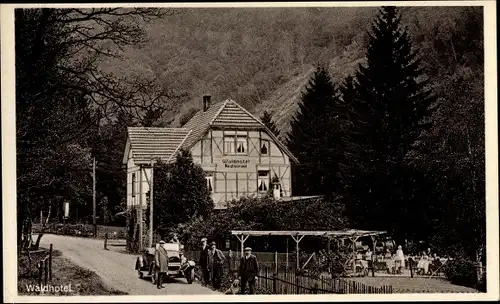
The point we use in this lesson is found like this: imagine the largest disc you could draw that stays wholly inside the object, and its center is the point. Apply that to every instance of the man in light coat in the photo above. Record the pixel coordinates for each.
(161, 264)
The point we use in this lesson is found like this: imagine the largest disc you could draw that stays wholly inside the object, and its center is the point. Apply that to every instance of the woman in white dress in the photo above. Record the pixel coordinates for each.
(400, 257)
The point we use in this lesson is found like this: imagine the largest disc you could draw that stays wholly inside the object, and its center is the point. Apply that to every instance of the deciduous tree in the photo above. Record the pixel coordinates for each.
(181, 193)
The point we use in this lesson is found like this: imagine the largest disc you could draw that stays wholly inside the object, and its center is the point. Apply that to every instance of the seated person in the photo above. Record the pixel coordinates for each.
(388, 254)
(359, 256)
(368, 255)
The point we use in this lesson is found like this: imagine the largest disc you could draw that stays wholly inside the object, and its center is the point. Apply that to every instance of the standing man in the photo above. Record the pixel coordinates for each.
(216, 261)
(161, 264)
(204, 261)
(249, 269)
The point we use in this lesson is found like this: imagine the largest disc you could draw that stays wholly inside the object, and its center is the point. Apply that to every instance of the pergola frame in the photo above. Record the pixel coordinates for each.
(352, 234)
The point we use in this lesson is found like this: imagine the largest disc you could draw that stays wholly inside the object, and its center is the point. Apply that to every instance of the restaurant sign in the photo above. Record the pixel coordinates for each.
(235, 163)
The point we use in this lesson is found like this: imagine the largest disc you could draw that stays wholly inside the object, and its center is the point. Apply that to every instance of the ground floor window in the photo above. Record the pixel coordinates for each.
(133, 184)
(209, 177)
(263, 181)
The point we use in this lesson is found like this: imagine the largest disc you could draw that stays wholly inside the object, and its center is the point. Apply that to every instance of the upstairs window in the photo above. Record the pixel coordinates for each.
(241, 145)
(229, 147)
(235, 144)
(209, 177)
(263, 181)
(264, 147)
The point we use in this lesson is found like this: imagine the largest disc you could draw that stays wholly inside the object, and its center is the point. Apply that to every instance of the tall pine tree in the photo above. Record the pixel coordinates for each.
(391, 103)
(392, 100)
(310, 139)
(267, 120)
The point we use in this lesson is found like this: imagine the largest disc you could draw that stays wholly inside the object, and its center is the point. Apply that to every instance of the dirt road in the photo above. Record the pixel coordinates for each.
(115, 267)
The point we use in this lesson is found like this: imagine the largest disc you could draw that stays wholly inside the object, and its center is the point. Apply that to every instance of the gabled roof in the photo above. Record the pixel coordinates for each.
(153, 143)
(227, 114)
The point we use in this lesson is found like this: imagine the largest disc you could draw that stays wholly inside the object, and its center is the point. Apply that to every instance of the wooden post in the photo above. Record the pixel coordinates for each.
(40, 273)
(410, 260)
(297, 249)
(286, 268)
(151, 196)
(374, 241)
(94, 197)
(106, 241)
(297, 241)
(276, 262)
(41, 217)
(45, 271)
(297, 283)
(140, 211)
(50, 262)
(275, 287)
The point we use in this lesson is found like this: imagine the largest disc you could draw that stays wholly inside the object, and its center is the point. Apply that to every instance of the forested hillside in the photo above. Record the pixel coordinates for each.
(262, 58)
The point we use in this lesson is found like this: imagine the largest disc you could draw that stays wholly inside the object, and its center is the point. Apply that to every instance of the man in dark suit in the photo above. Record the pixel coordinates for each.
(249, 269)
(204, 261)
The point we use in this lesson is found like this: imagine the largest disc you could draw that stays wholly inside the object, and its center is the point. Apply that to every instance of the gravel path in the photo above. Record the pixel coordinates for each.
(116, 268)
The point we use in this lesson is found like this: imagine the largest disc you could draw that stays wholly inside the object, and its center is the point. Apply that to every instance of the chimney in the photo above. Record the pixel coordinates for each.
(206, 102)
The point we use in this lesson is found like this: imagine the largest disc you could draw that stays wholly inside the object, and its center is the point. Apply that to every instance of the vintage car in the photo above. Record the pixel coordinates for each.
(178, 265)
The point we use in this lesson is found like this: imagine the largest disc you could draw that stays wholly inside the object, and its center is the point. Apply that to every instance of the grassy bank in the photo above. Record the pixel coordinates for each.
(67, 278)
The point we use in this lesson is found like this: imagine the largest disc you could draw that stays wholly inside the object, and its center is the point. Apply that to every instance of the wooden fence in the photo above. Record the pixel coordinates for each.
(45, 269)
(83, 230)
(275, 279)
(294, 283)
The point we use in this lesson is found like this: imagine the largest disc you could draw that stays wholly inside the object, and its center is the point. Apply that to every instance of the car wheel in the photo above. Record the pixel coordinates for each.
(190, 276)
(141, 275)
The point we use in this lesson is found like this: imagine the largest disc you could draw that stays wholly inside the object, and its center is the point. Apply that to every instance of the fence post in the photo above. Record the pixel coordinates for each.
(410, 260)
(50, 262)
(40, 270)
(275, 285)
(106, 241)
(276, 262)
(296, 283)
(46, 272)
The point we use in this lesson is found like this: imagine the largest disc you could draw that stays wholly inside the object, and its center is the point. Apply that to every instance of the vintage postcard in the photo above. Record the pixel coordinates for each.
(302, 151)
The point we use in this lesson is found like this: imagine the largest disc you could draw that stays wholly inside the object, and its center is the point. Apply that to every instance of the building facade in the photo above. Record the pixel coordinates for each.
(240, 156)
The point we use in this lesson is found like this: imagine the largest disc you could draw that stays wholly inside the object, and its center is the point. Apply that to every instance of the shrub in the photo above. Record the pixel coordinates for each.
(265, 214)
(462, 272)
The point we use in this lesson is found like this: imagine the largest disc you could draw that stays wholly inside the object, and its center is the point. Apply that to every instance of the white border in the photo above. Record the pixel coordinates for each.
(9, 164)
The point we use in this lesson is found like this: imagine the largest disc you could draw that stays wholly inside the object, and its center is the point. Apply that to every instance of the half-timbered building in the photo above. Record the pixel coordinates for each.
(239, 154)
